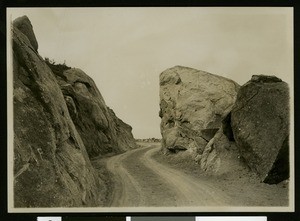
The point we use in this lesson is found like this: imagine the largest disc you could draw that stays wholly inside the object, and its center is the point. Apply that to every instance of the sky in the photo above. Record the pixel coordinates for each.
(125, 49)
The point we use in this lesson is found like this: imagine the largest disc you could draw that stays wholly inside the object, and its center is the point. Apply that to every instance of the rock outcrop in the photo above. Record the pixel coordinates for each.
(101, 130)
(51, 164)
(192, 106)
(24, 25)
(224, 126)
(260, 125)
(125, 139)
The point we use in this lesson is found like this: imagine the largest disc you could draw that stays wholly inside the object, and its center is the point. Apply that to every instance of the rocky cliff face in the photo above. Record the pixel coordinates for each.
(260, 124)
(101, 130)
(125, 139)
(51, 164)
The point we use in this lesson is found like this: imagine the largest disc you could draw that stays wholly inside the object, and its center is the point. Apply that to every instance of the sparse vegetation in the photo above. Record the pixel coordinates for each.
(57, 69)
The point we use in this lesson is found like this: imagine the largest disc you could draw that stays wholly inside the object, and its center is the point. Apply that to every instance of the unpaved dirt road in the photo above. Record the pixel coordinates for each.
(141, 181)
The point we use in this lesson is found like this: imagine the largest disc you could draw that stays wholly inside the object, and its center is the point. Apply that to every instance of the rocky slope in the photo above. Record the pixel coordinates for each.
(101, 130)
(125, 139)
(223, 126)
(53, 117)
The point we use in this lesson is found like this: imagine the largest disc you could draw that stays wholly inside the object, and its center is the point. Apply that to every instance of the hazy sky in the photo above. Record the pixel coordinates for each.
(125, 49)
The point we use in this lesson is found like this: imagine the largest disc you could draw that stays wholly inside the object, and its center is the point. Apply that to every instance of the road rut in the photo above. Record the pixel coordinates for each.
(139, 180)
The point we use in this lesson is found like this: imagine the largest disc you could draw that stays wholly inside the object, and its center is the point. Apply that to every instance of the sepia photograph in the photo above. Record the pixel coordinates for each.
(150, 109)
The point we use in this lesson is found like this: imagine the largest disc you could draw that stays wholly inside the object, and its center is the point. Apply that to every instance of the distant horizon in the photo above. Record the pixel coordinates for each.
(124, 50)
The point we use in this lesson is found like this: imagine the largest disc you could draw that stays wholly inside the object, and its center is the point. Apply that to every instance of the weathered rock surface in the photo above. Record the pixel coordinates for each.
(101, 130)
(193, 104)
(220, 155)
(51, 165)
(260, 125)
(218, 123)
(51, 111)
(125, 139)
(24, 25)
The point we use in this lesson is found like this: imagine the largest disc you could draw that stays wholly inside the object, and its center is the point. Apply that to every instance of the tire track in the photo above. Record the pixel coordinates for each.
(142, 181)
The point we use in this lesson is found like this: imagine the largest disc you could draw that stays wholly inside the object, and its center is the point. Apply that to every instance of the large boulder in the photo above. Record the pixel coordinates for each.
(260, 125)
(101, 130)
(51, 164)
(193, 104)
